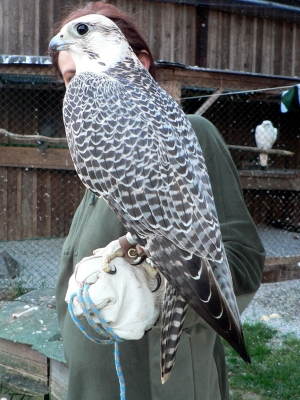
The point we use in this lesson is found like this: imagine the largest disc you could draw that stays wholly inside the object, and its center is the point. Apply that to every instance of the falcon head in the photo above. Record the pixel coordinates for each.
(267, 123)
(94, 42)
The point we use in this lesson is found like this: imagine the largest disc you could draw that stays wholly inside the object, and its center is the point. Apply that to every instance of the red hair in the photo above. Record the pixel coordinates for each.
(120, 18)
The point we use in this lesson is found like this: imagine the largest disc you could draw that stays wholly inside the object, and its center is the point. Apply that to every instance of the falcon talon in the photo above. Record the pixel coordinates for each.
(158, 278)
(139, 260)
(97, 251)
(111, 271)
(108, 268)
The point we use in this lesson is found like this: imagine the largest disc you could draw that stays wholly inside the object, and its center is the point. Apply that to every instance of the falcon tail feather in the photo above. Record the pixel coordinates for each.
(203, 294)
(173, 316)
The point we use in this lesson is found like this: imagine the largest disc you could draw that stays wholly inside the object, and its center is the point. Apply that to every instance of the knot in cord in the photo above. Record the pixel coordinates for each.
(104, 330)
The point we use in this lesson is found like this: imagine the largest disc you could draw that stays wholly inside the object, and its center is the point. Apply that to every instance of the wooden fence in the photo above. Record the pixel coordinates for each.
(39, 193)
(175, 33)
(250, 44)
(27, 26)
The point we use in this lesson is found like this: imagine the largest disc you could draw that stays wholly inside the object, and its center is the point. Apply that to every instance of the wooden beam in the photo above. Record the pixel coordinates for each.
(257, 150)
(58, 382)
(30, 157)
(278, 269)
(270, 180)
(209, 102)
(21, 360)
(31, 138)
(18, 387)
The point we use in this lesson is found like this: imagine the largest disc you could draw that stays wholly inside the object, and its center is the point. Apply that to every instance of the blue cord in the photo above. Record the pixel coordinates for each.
(84, 300)
(119, 371)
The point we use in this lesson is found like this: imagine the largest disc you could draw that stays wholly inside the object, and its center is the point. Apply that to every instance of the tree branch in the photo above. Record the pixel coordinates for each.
(256, 150)
(32, 138)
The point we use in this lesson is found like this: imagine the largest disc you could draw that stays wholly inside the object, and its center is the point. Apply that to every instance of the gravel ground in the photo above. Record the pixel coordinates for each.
(281, 301)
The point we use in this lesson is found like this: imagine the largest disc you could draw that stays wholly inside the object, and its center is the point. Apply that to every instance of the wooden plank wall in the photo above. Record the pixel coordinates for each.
(232, 41)
(58, 380)
(250, 44)
(37, 202)
(168, 28)
(20, 360)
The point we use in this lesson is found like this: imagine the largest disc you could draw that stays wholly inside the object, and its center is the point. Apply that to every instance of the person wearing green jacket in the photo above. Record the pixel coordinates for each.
(200, 371)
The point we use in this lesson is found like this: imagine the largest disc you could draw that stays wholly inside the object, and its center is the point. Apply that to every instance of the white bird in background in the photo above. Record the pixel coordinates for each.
(265, 137)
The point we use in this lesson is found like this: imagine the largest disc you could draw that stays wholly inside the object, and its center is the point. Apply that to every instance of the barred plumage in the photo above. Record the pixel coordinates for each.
(132, 145)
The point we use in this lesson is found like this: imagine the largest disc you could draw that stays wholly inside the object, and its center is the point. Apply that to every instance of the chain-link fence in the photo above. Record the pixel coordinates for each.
(39, 190)
(249, 121)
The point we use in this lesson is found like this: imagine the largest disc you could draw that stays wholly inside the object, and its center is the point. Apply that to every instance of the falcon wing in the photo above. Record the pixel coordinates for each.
(126, 150)
(261, 137)
(272, 136)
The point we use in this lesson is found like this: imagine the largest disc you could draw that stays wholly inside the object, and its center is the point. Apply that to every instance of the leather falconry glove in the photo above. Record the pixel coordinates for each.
(129, 299)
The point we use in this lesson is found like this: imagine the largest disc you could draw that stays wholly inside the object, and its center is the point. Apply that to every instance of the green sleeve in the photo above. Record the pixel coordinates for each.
(94, 225)
(243, 246)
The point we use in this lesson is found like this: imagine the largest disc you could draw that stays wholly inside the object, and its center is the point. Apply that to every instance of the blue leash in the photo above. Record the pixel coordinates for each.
(84, 300)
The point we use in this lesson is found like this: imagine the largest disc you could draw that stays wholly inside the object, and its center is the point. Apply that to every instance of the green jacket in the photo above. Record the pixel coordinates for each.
(200, 370)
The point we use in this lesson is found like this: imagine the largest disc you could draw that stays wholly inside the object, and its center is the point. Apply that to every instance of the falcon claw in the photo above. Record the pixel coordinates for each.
(96, 251)
(158, 278)
(111, 271)
(139, 260)
(107, 258)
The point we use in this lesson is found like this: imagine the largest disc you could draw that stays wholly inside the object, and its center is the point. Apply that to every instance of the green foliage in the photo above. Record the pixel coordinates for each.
(17, 288)
(274, 372)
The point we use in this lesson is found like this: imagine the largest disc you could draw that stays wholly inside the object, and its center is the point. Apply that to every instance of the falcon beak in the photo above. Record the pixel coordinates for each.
(58, 44)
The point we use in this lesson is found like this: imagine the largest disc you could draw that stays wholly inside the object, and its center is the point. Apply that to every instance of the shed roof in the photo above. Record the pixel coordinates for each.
(23, 59)
(288, 10)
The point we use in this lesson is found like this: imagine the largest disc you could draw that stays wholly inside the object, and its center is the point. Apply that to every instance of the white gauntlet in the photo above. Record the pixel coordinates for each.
(125, 298)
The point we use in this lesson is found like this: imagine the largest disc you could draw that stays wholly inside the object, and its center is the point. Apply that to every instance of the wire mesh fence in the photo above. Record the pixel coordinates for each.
(39, 190)
(252, 124)
(251, 119)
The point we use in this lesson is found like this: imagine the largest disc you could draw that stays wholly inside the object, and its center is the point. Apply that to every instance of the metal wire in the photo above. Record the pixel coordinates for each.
(37, 204)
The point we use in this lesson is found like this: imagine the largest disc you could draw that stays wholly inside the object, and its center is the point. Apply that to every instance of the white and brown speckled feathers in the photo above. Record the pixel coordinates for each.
(132, 145)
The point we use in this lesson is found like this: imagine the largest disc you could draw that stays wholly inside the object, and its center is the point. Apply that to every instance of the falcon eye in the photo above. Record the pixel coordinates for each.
(82, 29)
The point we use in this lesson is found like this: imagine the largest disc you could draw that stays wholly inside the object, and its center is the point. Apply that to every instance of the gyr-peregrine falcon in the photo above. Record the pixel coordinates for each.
(132, 145)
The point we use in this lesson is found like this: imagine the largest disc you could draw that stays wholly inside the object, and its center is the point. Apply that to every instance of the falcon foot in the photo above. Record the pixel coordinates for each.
(111, 251)
(133, 252)
(136, 255)
(107, 258)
